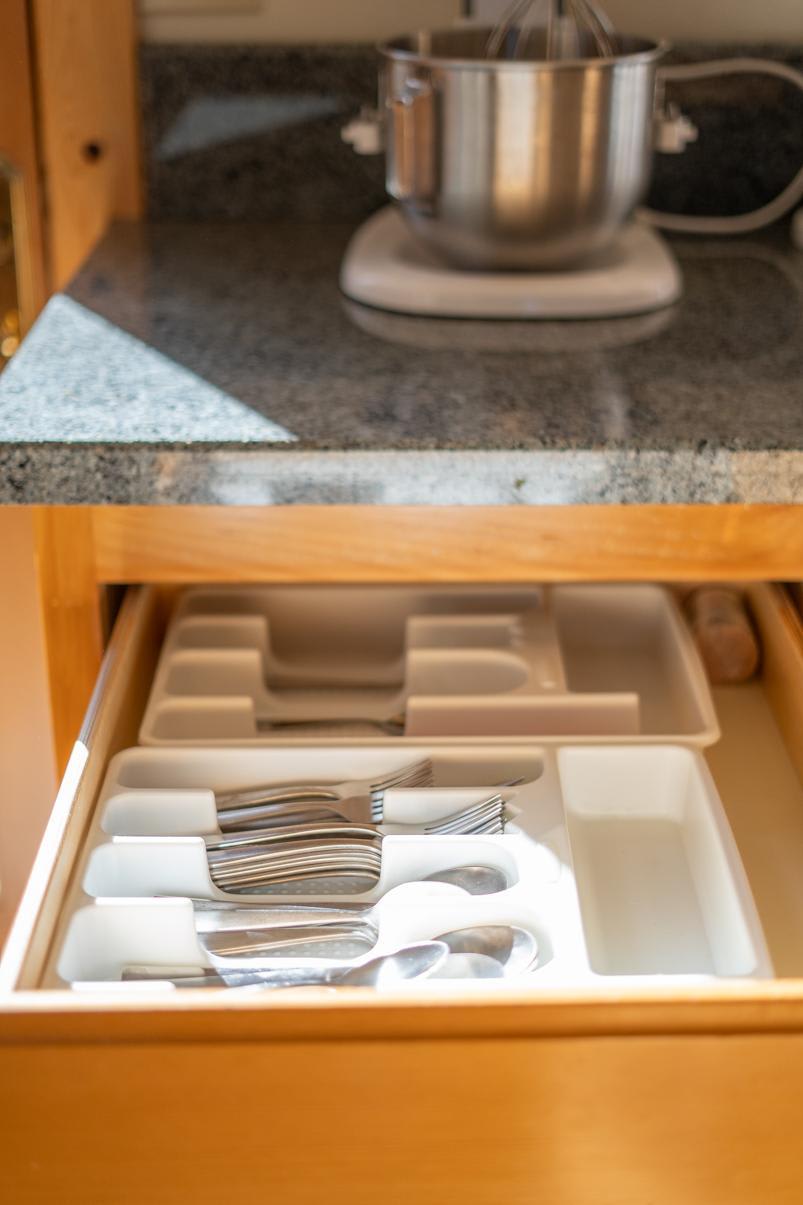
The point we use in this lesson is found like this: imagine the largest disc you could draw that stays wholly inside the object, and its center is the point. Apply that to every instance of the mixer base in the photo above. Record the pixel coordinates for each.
(386, 268)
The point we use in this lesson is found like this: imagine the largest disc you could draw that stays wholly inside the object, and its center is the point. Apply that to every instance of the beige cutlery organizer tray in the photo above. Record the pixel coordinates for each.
(586, 662)
(618, 859)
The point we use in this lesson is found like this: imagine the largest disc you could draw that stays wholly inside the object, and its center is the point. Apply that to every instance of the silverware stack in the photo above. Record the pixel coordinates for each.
(475, 952)
(305, 832)
(253, 861)
(360, 799)
(326, 839)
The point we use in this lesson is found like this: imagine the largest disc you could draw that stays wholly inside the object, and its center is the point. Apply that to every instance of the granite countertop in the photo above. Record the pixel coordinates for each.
(198, 363)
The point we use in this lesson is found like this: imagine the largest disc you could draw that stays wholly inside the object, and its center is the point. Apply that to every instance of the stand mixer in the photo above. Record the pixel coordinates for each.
(517, 156)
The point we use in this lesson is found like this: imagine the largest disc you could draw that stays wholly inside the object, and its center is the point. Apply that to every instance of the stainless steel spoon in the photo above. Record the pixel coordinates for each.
(510, 947)
(219, 916)
(473, 952)
(412, 962)
(476, 880)
(514, 949)
(469, 966)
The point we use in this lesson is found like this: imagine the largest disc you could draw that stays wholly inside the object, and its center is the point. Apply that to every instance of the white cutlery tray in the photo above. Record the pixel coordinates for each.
(606, 663)
(618, 858)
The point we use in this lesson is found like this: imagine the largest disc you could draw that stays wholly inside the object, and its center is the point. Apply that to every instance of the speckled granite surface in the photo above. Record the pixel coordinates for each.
(220, 364)
(253, 132)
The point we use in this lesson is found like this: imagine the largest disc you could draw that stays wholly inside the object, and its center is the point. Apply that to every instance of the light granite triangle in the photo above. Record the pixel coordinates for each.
(135, 393)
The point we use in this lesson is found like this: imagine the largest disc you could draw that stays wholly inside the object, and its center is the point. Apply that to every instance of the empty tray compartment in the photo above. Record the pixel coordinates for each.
(661, 886)
(633, 638)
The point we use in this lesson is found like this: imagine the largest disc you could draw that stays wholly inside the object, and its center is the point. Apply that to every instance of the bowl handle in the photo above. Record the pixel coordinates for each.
(411, 146)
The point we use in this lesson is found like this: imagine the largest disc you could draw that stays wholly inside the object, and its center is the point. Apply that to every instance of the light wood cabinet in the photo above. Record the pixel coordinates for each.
(683, 1096)
(688, 1095)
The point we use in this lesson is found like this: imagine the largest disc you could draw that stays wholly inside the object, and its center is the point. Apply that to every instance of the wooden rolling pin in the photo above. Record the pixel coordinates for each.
(724, 634)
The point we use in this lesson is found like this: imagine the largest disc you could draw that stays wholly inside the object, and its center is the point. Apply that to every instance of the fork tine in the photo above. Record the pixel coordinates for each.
(424, 764)
(419, 773)
(459, 824)
(471, 826)
(476, 823)
(494, 803)
(461, 821)
(491, 828)
(488, 824)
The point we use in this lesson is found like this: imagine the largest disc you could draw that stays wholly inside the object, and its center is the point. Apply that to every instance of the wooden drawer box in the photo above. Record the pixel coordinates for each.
(688, 1095)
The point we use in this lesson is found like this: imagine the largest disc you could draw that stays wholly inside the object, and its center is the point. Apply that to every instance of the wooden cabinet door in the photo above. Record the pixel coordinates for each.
(22, 276)
(87, 101)
(69, 132)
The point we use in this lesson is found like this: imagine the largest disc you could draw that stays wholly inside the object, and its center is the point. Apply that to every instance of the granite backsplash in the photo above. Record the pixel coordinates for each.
(253, 133)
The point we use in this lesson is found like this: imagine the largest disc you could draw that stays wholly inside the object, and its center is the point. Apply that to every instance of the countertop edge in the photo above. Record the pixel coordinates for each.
(45, 474)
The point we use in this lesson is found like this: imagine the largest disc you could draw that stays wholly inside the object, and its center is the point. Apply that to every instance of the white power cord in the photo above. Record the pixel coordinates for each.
(797, 229)
(742, 223)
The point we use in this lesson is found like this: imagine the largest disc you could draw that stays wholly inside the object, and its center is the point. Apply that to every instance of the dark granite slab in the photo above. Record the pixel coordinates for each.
(253, 133)
(220, 364)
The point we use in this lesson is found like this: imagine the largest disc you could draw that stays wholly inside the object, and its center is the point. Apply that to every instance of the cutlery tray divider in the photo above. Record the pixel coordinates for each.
(550, 857)
(583, 662)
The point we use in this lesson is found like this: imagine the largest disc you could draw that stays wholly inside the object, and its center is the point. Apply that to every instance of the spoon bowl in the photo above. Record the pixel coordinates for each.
(512, 948)
(469, 966)
(476, 880)
(413, 962)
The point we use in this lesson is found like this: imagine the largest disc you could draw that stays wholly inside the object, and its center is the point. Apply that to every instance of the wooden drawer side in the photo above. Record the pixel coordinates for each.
(781, 630)
(111, 723)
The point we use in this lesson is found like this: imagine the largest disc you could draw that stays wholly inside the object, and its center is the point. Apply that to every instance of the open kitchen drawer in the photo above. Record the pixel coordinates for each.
(684, 1093)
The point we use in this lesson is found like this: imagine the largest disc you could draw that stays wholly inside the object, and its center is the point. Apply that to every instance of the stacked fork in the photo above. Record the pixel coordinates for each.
(361, 800)
(256, 860)
(296, 855)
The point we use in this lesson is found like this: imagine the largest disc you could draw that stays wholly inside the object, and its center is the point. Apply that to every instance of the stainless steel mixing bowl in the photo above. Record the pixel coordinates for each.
(516, 164)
